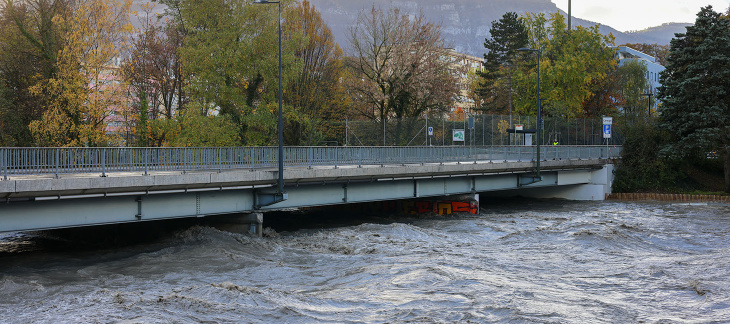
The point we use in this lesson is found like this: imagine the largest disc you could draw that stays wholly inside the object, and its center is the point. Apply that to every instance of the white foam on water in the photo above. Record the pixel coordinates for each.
(544, 262)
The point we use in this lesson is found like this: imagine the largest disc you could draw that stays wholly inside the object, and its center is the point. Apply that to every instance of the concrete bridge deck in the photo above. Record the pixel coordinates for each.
(134, 183)
(47, 200)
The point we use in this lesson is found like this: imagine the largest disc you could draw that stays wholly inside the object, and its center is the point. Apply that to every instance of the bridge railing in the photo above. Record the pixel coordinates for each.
(58, 161)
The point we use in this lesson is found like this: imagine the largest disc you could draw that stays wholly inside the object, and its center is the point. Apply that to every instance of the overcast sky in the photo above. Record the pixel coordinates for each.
(626, 15)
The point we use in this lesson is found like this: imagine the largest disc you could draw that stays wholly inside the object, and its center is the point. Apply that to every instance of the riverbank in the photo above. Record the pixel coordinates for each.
(668, 197)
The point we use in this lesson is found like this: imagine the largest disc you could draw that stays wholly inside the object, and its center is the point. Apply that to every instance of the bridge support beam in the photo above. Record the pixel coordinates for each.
(91, 210)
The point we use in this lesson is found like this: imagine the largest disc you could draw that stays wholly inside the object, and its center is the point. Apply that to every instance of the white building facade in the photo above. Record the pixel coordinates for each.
(626, 54)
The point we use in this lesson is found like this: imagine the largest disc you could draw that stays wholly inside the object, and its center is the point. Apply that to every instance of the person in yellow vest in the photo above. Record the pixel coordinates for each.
(555, 142)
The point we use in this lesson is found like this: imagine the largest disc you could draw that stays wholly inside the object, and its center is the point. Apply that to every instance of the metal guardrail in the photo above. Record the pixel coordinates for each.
(58, 161)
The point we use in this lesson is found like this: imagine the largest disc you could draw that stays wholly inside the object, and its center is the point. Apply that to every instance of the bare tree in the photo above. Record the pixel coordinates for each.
(154, 68)
(399, 67)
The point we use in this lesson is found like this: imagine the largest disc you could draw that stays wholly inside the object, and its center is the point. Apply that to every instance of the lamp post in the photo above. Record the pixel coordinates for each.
(569, 15)
(281, 115)
(539, 110)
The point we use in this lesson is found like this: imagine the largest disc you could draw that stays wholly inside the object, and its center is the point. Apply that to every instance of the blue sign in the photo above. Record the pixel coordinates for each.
(430, 131)
(606, 131)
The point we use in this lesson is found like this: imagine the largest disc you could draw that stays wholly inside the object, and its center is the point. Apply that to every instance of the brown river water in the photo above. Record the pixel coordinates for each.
(518, 261)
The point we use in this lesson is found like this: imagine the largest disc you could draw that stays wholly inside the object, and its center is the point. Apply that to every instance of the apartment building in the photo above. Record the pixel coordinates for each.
(626, 54)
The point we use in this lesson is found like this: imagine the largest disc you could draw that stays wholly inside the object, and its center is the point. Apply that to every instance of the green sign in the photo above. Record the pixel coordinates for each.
(458, 135)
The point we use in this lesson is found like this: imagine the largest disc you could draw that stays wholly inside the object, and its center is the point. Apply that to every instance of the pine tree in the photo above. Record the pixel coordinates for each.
(696, 90)
(508, 35)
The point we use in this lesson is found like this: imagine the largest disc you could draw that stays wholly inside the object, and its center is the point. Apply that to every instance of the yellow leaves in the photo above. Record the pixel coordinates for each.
(84, 90)
(53, 129)
(502, 126)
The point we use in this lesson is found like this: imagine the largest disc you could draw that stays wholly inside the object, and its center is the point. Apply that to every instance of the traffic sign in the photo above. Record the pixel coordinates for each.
(607, 122)
(607, 131)
(430, 131)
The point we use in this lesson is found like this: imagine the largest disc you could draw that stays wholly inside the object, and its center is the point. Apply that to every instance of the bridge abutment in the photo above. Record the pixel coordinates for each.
(597, 188)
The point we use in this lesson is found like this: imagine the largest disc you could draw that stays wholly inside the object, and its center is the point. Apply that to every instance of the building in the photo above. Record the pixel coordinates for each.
(463, 64)
(626, 54)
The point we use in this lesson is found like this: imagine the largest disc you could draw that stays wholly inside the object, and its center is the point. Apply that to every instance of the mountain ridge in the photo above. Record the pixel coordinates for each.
(466, 23)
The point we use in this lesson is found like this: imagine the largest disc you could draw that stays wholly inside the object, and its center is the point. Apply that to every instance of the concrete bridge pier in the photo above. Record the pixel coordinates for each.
(242, 223)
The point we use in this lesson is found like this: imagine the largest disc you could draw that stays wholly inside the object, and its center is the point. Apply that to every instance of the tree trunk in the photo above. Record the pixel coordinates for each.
(509, 97)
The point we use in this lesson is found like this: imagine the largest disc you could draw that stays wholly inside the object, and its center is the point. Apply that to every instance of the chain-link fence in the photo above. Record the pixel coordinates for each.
(477, 130)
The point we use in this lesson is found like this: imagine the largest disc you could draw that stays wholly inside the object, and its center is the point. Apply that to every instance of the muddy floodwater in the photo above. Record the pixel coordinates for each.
(519, 261)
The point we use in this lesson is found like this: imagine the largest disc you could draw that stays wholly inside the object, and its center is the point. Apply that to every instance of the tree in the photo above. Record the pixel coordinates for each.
(317, 93)
(508, 35)
(642, 168)
(29, 45)
(399, 67)
(695, 91)
(632, 78)
(86, 83)
(230, 62)
(622, 88)
(571, 63)
(154, 71)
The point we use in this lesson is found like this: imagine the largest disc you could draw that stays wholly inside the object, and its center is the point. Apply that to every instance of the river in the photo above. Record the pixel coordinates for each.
(519, 261)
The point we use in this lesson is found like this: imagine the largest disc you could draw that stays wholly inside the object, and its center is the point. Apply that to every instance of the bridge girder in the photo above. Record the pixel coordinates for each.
(139, 207)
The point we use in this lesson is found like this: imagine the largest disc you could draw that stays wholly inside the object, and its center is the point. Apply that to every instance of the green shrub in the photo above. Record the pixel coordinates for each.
(642, 168)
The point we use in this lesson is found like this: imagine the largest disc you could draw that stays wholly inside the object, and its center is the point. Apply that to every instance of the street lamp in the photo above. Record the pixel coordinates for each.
(281, 115)
(539, 110)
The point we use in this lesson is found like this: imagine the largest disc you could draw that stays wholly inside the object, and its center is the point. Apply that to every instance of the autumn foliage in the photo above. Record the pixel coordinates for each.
(77, 73)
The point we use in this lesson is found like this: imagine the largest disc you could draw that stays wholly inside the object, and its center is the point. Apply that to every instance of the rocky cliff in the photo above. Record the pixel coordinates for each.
(466, 23)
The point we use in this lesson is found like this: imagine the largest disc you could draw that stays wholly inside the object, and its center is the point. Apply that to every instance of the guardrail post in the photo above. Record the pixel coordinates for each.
(185, 159)
(5, 163)
(56, 158)
(103, 163)
(220, 160)
(146, 160)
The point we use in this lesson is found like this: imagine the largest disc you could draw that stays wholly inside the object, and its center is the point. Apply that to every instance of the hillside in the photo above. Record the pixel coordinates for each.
(660, 34)
(466, 23)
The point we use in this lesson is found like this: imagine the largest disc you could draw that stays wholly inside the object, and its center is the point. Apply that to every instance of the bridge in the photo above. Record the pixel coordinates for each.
(50, 188)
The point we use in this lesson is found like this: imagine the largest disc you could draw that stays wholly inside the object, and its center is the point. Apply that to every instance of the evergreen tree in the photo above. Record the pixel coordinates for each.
(696, 91)
(508, 35)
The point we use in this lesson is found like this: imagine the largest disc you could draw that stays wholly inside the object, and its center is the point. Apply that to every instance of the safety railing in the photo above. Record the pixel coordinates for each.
(59, 161)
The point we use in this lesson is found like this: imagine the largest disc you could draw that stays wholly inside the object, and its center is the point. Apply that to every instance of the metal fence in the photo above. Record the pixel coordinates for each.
(485, 130)
(58, 161)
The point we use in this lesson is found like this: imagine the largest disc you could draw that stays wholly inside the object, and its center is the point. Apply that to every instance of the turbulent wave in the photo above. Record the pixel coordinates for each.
(525, 261)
